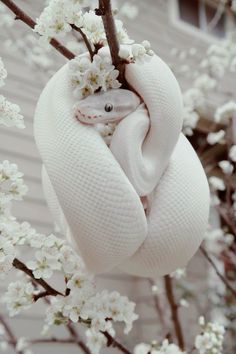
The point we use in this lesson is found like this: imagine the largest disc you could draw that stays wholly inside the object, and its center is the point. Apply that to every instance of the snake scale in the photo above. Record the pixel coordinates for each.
(95, 191)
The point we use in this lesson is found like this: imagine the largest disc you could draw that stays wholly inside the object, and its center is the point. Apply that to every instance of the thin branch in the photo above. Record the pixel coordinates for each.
(112, 342)
(12, 339)
(52, 340)
(85, 39)
(158, 307)
(40, 295)
(174, 311)
(22, 267)
(21, 15)
(105, 11)
(222, 278)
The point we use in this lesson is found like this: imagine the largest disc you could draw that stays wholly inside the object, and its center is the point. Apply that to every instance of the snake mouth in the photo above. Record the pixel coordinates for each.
(86, 118)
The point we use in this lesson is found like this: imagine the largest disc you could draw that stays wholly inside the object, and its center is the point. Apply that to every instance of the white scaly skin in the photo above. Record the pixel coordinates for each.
(100, 206)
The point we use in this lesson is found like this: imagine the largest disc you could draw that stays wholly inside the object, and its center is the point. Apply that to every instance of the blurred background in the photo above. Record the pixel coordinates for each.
(180, 31)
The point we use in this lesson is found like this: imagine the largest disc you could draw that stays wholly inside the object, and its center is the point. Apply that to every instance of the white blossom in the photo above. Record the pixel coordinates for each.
(111, 305)
(22, 345)
(124, 53)
(81, 282)
(179, 273)
(192, 100)
(215, 137)
(43, 265)
(19, 296)
(141, 52)
(54, 314)
(156, 348)
(7, 255)
(95, 340)
(205, 83)
(217, 183)
(71, 262)
(210, 341)
(225, 112)
(142, 348)
(10, 114)
(93, 27)
(232, 153)
(184, 303)
(226, 167)
(58, 16)
(121, 33)
(12, 186)
(87, 77)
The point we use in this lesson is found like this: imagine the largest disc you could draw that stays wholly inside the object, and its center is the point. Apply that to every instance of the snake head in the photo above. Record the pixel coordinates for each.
(106, 107)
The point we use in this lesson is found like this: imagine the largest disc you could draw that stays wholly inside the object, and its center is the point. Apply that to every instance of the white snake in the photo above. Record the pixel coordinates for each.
(94, 191)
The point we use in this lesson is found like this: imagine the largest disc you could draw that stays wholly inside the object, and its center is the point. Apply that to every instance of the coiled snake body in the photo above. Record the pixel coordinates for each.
(94, 190)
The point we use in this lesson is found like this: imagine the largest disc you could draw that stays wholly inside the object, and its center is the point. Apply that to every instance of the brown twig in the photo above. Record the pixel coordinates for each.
(222, 278)
(174, 311)
(52, 340)
(21, 15)
(22, 267)
(85, 39)
(105, 11)
(112, 342)
(12, 339)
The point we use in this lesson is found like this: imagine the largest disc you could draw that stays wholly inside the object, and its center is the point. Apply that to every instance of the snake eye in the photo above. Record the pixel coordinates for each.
(108, 107)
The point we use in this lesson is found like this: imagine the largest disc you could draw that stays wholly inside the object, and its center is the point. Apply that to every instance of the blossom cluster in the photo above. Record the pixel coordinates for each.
(88, 77)
(137, 52)
(80, 302)
(210, 341)
(12, 186)
(156, 348)
(221, 57)
(19, 296)
(7, 254)
(192, 101)
(9, 112)
(60, 16)
(225, 112)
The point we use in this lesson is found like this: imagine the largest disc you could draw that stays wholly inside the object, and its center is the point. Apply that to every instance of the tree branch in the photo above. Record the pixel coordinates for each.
(112, 342)
(21, 15)
(174, 311)
(158, 307)
(22, 267)
(105, 11)
(222, 278)
(52, 340)
(85, 39)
